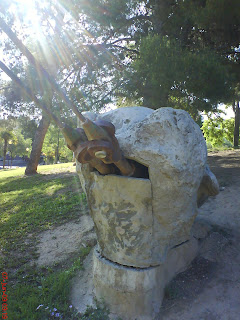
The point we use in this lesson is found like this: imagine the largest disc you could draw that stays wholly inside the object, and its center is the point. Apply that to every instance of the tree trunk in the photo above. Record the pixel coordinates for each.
(11, 159)
(236, 125)
(57, 150)
(4, 152)
(37, 146)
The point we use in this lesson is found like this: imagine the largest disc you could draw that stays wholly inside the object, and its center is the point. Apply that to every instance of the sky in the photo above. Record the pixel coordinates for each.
(229, 111)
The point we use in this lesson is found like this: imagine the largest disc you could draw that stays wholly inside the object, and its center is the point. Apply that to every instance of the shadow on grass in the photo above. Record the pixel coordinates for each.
(32, 204)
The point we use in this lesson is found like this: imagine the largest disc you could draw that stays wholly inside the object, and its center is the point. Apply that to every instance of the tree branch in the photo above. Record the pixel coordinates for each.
(118, 40)
(127, 49)
(107, 94)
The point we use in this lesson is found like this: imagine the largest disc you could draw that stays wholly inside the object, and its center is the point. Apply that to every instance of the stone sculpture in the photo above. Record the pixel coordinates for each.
(144, 223)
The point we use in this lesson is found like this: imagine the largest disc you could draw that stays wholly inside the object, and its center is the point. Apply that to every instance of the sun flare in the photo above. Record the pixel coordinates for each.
(26, 13)
(26, 8)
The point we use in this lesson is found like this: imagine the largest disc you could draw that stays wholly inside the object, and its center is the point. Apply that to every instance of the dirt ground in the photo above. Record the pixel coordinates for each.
(210, 288)
(224, 209)
(62, 242)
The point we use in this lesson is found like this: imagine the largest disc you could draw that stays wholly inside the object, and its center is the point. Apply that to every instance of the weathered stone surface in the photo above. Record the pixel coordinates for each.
(200, 228)
(122, 212)
(171, 145)
(123, 118)
(209, 186)
(133, 293)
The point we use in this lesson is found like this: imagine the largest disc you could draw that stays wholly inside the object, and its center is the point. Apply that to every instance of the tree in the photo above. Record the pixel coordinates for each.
(103, 36)
(38, 86)
(194, 66)
(16, 101)
(37, 146)
(218, 132)
(13, 140)
(6, 136)
(165, 74)
(236, 109)
(54, 146)
(202, 25)
(63, 54)
(18, 146)
(28, 126)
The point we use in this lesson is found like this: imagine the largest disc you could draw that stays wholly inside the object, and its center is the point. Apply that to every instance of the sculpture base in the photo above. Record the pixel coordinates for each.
(137, 293)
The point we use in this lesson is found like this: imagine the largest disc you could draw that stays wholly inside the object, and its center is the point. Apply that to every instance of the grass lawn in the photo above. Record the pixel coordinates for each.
(30, 205)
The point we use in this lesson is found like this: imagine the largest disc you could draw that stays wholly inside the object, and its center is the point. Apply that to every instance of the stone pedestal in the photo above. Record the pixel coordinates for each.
(137, 293)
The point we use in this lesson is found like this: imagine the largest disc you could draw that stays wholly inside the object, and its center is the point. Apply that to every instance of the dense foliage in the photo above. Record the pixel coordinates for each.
(54, 147)
(12, 140)
(218, 132)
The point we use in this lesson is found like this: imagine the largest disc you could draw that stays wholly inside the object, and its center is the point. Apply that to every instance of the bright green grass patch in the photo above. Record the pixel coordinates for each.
(44, 293)
(60, 167)
(34, 203)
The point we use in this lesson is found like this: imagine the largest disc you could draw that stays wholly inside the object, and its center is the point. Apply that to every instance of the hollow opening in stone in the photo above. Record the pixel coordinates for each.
(141, 171)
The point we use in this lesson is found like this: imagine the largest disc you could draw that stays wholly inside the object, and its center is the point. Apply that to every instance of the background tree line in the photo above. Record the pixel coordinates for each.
(176, 53)
(17, 136)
